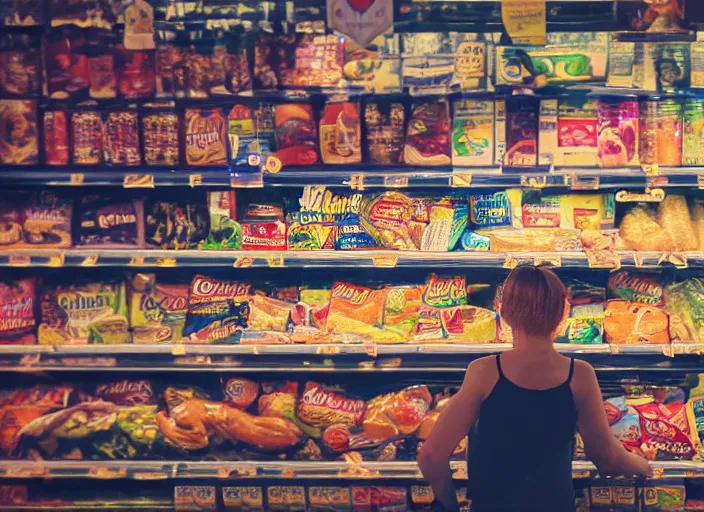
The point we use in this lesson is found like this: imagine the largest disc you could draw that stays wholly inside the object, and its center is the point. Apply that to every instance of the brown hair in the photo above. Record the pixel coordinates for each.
(533, 300)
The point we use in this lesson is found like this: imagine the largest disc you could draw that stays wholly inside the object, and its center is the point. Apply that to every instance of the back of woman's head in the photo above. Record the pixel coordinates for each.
(533, 301)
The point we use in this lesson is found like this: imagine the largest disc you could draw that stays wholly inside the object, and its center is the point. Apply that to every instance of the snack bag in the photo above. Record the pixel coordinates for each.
(127, 392)
(241, 392)
(428, 135)
(217, 310)
(662, 440)
(206, 142)
(160, 132)
(56, 143)
(341, 134)
(386, 499)
(109, 222)
(624, 422)
(321, 406)
(84, 314)
(695, 414)
(385, 132)
(18, 312)
(121, 139)
(521, 133)
(396, 414)
(176, 224)
(674, 218)
(473, 133)
(683, 303)
(401, 310)
(386, 217)
(263, 228)
(19, 138)
(356, 310)
(585, 321)
(157, 311)
(296, 134)
(87, 137)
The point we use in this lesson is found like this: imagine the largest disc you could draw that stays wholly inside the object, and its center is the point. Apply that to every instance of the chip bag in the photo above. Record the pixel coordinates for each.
(18, 312)
(157, 310)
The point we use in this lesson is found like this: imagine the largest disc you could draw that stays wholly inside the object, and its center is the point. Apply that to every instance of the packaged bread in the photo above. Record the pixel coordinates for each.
(674, 218)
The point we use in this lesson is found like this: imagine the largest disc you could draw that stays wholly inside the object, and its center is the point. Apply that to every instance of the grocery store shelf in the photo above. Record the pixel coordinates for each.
(226, 470)
(369, 357)
(324, 259)
(359, 177)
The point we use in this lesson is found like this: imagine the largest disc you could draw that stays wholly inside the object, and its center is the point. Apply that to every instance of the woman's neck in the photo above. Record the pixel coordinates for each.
(534, 345)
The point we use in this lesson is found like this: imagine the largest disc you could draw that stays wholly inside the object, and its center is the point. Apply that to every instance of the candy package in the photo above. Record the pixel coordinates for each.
(218, 311)
(617, 139)
(160, 133)
(102, 66)
(157, 311)
(19, 137)
(387, 499)
(42, 221)
(428, 135)
(230, 70)
(84, 314)
(385, 132)
(296, 134)
(521, 133)
(18, 311)
(170, 74)
(206, 142)
(108, 222)
(87, 137)
(473, 133)
(56, 141)
(19, 65)
(176, 224)
(577, 133)
(121, 138)
(401, 310)
(225, 231)
(22, 13)
(66, 66)
(135, 73)
(341, 134)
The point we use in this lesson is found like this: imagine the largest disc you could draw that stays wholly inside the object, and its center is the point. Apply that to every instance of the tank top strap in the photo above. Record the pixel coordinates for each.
(569, 377)
(498, 366)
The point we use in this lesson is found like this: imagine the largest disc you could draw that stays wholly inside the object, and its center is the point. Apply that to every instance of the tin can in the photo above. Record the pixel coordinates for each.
(660, 132)
(693, 138)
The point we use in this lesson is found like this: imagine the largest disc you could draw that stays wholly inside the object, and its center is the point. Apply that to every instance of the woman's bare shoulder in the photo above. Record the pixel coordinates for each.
(484, 365)
(584, 377)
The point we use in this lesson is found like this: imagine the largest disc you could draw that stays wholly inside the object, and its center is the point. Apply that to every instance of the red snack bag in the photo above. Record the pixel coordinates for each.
(662, 440)
(67, 68)
(320, 406)
(56, 143)
(18, 318)
(135, 73)
(296, 134)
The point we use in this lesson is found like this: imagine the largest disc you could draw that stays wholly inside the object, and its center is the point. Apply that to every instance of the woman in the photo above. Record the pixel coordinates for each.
(521, 410)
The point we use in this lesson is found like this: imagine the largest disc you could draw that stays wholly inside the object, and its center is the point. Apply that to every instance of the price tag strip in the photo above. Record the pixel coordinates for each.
(138, 181)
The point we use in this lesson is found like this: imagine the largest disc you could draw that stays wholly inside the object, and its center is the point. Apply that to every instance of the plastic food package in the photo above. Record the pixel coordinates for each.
(428, 135)
(385, 131)
(157, 310)
(103, 73)
(389, 415)
(684, 302)
(263, 228)
(66, 66)
(356, 311)
(206, 142)
(56, 143)
(386, 217)
(218, 311)
(640, 231)
(321, 406)
(121, 139)
(135, 73)
(84, 314)
(242, 134)
(341, 134)
(127, 392)
(175, 225)
(42, 221)
(618, 133)
(585, 309)
(241, 392)
(662, 439)
(160, 132)
(402, 309)
(577, 133)
(296, 134)
(19, 138)
(533, 240)
(225, 231)
(521, 133)
(87, 137)
(18, 312)
(673, 218)
(19, 65)
(109, 222)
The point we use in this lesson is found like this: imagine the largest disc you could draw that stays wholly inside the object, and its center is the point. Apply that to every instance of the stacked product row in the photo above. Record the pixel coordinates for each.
(320, 219)
(633, 308)
(516, 132)
(291, 420)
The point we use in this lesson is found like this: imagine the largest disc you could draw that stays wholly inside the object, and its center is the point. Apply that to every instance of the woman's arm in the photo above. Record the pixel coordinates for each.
(454, 424)
(600, 445)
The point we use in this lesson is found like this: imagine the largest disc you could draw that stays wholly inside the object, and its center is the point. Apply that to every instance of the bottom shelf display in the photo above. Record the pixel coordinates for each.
(337, 496)
(277, 422)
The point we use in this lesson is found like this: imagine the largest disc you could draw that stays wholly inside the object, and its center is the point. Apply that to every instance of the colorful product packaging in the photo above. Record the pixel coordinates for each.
(386, 217)
(473, 133)
(547, 134)
(428, 135)
(241, 133)
(175, 224)
(225, 231)
(84, 314)
(41, 221)
(693, 137)
(577, 133)
(341, 134)
(286, 498)
(206, 142)
(19, 138)
(56, 142)
(617, 140)
(296, 134)
(328, 498)
(385, 132)
(87, 137)
(157, 311)
(357, 310)
(109, 222)
(243, 499)
(521, 133)
(263, 228)
(660, 132)
(121, 139)
(18, 312)
(160, 132)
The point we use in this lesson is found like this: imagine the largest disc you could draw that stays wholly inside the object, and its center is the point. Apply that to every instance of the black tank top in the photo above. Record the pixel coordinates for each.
(520, 450)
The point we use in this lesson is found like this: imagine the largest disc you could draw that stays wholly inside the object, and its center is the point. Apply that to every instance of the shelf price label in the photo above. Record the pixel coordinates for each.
(385, 261)
(105, 473)
(272, 165)
(651, 195)
(510, 262)
(195, 497)
(165, 262)
(19, 260)
(89, 261)
(195, 180)
(56, 260)
(534, 181)
(651, 170)
(548, 260)
(239, 471)
(138, 181)
(243, 262)
(678, 259)
(372, 350)
(26, 471)
(275, 261)
(178, 350)
(136, 261)
(461, 180)
(77, 179)
(396, 181)
(328, 350)
(357, 182)
(584, 183)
